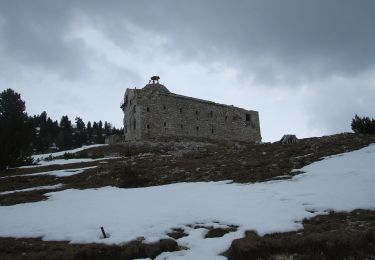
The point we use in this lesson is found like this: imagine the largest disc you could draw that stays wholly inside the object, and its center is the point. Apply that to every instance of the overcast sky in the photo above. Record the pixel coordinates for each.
(306, 66)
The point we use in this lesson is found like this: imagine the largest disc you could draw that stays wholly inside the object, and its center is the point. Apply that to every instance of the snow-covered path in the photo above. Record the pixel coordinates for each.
(342, 183)
(76, 150)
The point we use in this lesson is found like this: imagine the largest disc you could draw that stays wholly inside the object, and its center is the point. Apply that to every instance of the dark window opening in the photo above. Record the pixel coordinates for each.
(197, 128)
(134, 108)
(165, 123)
(212, 130)
(196, 112)
(134, 124)
(164, 107)
(182, 126)
(234, 118)
(148, 109)
(180, 110)
(247, 117)
(148, 126)
(211, 114)
(226, 118)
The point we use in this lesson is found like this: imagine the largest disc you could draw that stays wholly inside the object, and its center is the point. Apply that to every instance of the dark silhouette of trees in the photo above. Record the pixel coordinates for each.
(89, 132)
(65, 137)
(15, 130)
(363, 125)
(21, 135)
(80, 136)
(49, 135)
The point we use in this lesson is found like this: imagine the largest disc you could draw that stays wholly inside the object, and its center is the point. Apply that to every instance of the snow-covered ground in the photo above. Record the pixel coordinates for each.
(68, 161)
(76, 150)
(48, 187)
(342, 183)
(41, 157)
(57, 173)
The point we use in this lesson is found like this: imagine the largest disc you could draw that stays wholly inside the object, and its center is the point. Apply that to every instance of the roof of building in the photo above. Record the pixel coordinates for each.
(156, 87)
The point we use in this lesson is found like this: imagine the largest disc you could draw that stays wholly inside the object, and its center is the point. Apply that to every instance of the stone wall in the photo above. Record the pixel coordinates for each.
(154, 112)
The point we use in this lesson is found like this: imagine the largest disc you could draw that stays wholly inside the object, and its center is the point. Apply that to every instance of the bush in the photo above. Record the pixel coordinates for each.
(68, 156)
(363, 125)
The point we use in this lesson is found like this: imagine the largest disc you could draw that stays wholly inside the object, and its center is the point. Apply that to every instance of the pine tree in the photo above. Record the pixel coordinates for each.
(363, 125)
(15, 130)
(80, 137)
(107, 128)
(65, 137)
(100, 138)
(89, 133)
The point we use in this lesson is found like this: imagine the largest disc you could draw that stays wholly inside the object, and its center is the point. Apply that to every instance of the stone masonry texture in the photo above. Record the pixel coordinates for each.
(154, 112)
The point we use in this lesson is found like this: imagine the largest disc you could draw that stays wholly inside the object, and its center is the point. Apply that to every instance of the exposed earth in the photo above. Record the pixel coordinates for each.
(349, 235)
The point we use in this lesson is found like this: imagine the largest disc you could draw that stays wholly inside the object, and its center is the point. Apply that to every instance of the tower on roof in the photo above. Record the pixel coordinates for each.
(154, 80)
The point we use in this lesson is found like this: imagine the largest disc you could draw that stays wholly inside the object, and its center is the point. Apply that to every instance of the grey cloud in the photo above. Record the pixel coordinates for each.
(308, 38)
(33, 33)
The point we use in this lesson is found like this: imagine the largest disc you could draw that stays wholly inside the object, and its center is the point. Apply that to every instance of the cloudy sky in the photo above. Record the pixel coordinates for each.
(306, 66)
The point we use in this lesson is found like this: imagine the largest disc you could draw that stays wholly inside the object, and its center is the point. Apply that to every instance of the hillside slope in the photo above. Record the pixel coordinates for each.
(145, 164)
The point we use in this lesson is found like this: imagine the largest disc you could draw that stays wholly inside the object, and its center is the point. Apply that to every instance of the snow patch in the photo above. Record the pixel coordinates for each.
(48, 187)
(68, 161)
(57, 173)
(76, 150)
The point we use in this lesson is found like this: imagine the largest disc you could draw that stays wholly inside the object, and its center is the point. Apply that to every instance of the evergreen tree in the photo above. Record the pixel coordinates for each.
(89, 133)
(363, 125)
(80, 137)
(107, 128)
(100, 137)
(15, 130)
(95, 130)
(65, 137)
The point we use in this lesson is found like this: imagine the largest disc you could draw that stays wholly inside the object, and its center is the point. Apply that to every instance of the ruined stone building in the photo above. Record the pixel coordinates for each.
(154, 112)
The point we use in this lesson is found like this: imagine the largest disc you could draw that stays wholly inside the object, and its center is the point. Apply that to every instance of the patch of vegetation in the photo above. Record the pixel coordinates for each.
(132, 178)
(363, 125)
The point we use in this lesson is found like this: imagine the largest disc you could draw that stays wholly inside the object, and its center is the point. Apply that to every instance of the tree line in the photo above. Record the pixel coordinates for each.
(21, 135)
(65, 134)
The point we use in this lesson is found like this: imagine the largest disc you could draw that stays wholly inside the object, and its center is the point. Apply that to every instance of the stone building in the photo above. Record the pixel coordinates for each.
(154, 112)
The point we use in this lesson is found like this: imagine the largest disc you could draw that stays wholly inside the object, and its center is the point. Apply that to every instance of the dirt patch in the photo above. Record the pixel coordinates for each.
(35, 248)
(177, 233)
(334, 236)
(25, 182)
(25, 197)
(219, 232)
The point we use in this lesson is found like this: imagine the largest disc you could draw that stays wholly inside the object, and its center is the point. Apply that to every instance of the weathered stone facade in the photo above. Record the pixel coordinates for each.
(155, 112)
